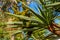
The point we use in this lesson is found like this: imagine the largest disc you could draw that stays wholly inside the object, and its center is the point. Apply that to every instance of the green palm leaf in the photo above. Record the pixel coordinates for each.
(54, 4)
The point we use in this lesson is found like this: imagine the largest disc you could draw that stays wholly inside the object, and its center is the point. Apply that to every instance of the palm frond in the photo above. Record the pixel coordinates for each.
(38, 16)
(54, 4)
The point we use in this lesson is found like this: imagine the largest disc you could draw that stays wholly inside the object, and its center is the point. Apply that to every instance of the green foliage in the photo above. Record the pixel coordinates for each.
(37, 24)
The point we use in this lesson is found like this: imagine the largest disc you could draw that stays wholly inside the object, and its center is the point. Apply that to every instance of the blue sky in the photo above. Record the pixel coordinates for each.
(57, 20)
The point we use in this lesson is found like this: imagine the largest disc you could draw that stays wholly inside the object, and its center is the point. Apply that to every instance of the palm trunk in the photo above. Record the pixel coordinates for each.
(51, 28)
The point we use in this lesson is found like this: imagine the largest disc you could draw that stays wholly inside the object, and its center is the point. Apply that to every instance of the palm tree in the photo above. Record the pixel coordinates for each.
(47, 17)
(43, 21)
